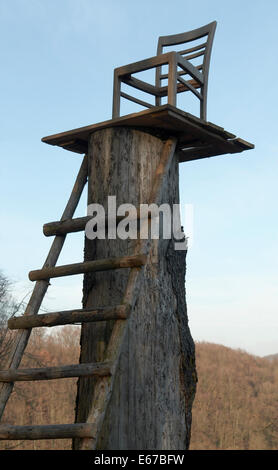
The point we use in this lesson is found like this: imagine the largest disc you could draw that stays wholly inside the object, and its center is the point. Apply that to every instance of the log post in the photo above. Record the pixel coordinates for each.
(154, 388)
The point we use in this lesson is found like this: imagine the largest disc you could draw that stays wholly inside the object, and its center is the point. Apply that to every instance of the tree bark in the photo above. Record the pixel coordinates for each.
(154, 388)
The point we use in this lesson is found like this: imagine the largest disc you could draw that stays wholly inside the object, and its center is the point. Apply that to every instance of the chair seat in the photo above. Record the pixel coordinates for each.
(154, 90)
(159, 60)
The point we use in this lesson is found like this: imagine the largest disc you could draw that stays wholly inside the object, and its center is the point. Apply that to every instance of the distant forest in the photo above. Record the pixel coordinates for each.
(236, 405)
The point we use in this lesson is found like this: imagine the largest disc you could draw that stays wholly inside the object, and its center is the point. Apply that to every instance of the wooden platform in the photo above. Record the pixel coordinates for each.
(196, 138)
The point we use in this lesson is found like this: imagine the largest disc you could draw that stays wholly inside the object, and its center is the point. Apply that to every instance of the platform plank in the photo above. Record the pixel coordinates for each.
(162, 121)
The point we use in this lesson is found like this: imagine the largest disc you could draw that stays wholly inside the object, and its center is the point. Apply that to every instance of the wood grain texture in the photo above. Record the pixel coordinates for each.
(148, 407)
(104, 387)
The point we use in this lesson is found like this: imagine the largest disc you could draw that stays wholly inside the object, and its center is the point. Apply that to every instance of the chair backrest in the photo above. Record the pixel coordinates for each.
(198, 55)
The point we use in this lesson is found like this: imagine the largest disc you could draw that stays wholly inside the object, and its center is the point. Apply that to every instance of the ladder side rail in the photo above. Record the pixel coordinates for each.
(41, 287)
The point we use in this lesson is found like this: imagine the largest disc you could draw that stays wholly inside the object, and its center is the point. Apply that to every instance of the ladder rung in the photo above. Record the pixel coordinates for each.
(67, 317)
(71, 225)
(88, 266)
(50, 431)
(65, 226)
(59, 372)
(62, 227)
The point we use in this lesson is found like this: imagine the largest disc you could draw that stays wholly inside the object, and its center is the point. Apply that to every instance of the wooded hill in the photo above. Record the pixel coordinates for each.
(235, 406)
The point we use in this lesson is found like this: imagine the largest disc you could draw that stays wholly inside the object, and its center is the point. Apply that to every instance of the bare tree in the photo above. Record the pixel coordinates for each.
(8, 308)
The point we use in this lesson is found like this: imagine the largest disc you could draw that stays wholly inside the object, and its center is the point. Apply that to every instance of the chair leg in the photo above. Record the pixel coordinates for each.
(172, 81)
(116, 96)
(158, 85)
(157, 101)
(203, 104)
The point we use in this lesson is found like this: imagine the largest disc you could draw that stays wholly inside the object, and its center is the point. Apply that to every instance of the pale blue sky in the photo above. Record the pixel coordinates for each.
(57, 61)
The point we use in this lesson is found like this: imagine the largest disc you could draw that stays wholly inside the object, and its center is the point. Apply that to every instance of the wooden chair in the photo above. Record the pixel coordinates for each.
(179, 65)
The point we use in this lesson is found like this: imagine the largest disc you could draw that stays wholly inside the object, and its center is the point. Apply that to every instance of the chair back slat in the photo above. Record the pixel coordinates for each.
(183, 38)
(193, 56)
(193, 49)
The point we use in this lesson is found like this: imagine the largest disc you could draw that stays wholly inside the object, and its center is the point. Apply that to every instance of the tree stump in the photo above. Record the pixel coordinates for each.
(154, 388)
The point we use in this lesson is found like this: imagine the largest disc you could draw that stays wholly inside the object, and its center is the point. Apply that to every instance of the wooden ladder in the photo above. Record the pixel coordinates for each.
(105, 371)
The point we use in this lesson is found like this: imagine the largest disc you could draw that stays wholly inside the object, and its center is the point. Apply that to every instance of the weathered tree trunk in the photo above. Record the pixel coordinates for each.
(155, 384)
